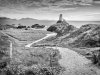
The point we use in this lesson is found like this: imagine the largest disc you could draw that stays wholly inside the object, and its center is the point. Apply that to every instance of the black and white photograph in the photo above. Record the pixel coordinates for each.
(49, 37)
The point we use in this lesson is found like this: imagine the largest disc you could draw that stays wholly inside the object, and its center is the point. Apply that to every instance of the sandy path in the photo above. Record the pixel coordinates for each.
(74, 63)
(48, 35)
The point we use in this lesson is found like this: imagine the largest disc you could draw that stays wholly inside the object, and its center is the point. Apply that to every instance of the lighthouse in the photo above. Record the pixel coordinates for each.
(60, 19)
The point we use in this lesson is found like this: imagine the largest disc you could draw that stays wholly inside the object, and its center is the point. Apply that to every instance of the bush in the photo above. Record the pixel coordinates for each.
(52, 29)
(96, 57)
(41, 61)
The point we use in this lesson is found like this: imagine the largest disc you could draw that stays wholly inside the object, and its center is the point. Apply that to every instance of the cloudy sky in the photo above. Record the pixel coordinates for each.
(50, 9)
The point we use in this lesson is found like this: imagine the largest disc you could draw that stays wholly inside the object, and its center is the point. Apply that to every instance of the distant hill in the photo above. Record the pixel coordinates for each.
(25, 21)
(4, 21)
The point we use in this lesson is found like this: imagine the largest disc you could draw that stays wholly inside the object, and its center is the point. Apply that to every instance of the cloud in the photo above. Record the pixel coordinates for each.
(36, 3)
(32, 4)
(97, 15)
(46, 9)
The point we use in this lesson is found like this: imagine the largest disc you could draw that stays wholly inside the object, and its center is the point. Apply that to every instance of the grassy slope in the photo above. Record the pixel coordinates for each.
(23, 37)
(26, 35)
(4, 50)
(34, 60)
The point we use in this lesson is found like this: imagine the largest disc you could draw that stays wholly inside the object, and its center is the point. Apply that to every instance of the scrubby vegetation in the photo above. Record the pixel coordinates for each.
(94, 56)
(23, 35)
(37, 26)
(28, 61)
(4, 27)
(88, 38)
(39, 61)
(4, 51)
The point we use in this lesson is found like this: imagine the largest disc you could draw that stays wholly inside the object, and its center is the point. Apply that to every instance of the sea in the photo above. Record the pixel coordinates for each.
(80, 23)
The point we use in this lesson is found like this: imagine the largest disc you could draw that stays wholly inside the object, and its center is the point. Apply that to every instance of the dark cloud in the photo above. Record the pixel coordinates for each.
(35, 6)
(33, 0)
(74, 6)
(54, 1)
(43, 3)
(68, 6)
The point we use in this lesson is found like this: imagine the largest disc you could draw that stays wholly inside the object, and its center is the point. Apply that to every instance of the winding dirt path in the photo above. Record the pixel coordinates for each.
(48, 35)
(74, 63)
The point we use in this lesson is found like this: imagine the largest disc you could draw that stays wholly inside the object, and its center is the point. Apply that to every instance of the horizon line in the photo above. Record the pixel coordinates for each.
(44, 19)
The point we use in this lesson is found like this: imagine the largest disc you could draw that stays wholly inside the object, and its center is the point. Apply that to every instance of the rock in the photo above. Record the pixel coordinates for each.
(37, 26)
(3, 65)
(95, 57)
(87, 36)
(61, 27)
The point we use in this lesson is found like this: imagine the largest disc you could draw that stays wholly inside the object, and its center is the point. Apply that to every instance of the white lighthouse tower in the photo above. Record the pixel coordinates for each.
(60, 19)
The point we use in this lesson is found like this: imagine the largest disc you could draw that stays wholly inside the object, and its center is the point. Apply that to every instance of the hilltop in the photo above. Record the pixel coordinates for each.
(61, 27)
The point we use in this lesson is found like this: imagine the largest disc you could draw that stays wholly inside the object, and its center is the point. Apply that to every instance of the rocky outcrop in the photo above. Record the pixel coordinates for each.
(87, 36)
(81, 30)
(94, 56)
(61, 28)
(37, 26)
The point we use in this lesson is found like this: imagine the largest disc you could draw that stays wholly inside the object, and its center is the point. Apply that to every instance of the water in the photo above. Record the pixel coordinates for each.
(80, 23)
